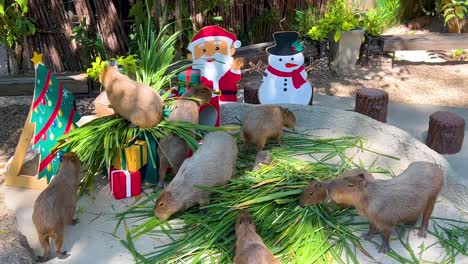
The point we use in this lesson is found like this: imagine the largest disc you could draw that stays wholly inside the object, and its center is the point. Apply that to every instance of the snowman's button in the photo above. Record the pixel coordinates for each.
(285, 84)
(285, 89)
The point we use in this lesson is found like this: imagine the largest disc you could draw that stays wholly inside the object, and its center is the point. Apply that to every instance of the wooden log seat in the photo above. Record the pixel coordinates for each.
(373, 103)
(446, 132)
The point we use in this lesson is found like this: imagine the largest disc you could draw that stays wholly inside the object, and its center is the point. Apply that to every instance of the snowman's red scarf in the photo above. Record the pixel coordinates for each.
(296, 76)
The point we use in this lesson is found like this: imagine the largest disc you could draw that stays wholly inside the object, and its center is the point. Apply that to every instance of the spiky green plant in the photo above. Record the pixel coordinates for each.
(156, 50)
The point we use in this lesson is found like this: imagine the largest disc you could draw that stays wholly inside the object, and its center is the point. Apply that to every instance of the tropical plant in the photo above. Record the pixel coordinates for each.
(454, 12)
(89, 43)
(304, 19)
(375, 21)
(14, 24)
(128, 63)
(460, 54)
(339, 17)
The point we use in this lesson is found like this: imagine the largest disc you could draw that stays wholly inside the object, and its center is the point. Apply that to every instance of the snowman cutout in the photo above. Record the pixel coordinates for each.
(285, 79)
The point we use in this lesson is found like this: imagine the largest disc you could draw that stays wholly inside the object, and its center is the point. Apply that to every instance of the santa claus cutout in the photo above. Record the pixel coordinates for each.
(211, 51)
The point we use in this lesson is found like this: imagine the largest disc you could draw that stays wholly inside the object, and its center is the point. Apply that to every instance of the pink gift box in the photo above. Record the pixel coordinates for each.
(125, 184)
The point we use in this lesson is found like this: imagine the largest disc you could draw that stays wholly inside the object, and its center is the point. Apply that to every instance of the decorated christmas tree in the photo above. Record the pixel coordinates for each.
(53, 113)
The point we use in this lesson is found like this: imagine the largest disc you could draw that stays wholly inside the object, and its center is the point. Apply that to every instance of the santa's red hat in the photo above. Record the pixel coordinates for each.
(214, 33)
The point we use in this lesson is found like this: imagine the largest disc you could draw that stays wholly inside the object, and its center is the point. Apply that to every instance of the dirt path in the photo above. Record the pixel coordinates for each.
(434, 84)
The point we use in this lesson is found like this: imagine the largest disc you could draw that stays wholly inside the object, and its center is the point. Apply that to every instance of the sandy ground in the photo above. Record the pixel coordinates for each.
(432, 79)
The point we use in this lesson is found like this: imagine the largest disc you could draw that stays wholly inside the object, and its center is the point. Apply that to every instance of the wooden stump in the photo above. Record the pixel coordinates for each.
(446, 132)
(373, 103)
(251, 92)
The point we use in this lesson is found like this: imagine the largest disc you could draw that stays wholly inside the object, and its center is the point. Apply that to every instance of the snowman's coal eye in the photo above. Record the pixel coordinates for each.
(280, 59)
(292, 58)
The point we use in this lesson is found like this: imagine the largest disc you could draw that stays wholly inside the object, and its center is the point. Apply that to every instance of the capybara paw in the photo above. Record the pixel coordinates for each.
(384, 248)
(75, 221)
(367, 236)
(161, 185)
(41, 259)
(62, 255)
(422, 233)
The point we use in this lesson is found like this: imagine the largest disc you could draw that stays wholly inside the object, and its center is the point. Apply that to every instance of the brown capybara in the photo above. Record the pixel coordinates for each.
(316, 191)
(102, 105)
(172, 150)
(211, 165)
(136, 102)
(262, 157)
(265, 122)
(250, 248)
(55, 206)
(386, 203)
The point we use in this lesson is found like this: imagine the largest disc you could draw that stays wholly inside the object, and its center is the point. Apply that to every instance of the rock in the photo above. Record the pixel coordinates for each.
(101, 105)
(30, 163)
(382, 138)
(85, 119)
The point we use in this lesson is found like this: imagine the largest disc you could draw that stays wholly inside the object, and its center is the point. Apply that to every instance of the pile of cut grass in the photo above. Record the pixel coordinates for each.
(294, 234)
(98, 142)
(316, 234)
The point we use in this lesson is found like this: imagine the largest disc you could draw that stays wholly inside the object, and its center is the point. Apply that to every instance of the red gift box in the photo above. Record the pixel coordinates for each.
(125, 184)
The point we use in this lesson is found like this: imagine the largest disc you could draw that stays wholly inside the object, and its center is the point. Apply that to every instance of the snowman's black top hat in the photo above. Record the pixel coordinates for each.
(284, 43)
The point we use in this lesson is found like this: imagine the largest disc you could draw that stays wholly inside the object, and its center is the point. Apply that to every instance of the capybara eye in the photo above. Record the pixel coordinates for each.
(161, 204)
(350, 185)
(217, 48)
(310, 194)
(204, 50)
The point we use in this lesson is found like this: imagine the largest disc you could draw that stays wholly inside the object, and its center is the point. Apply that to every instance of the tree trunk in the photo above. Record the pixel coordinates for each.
(84, 10)
(446, 132)
(52, 36)
(178, 18)
(373, 103)
(111, 28)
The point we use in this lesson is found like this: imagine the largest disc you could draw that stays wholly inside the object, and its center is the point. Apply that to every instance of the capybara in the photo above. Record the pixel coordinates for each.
(250, 248)
(262, 157)
(172, 150)
(102, 105)
(386, 203)
(265, 122)
(316, 191)
(136, 102)
(55, 206)
(213, 164)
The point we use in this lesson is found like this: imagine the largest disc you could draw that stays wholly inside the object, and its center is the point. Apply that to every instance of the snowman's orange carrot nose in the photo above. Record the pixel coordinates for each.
(290, 65)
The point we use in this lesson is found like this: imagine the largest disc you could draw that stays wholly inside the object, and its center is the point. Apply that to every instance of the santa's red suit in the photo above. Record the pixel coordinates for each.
(227, 87)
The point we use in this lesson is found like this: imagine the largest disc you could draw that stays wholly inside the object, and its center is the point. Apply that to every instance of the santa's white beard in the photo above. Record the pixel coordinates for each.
(214, 70)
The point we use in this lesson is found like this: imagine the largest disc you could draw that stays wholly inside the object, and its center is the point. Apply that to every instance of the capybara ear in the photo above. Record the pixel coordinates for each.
(363, 182)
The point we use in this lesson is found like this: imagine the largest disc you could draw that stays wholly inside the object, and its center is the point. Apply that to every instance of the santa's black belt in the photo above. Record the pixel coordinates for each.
(223, 92)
